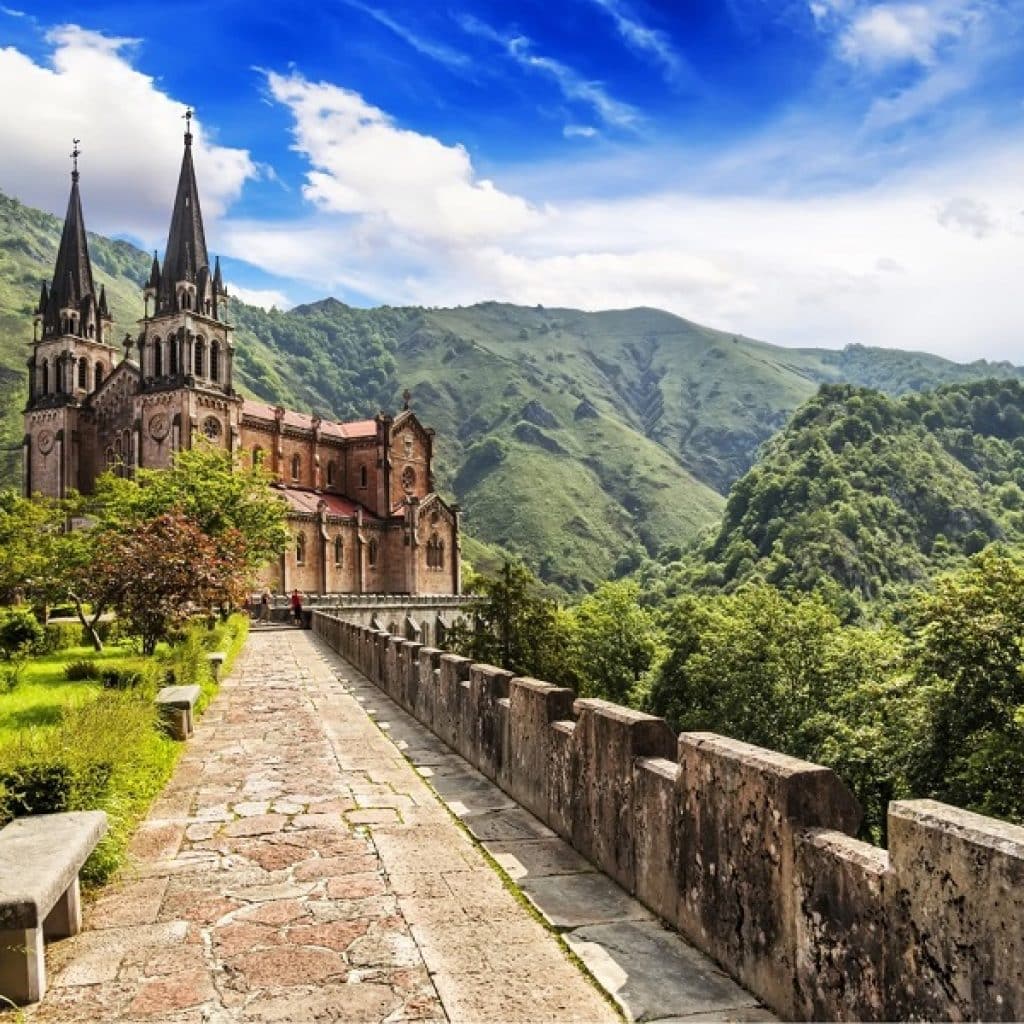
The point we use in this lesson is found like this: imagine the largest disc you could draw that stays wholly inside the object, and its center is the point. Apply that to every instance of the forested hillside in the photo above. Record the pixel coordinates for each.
(584, 442)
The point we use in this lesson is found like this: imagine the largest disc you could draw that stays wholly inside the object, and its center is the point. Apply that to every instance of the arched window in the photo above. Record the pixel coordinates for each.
(215, 361)
(339, 552)
(199, 357)
(257, 456)
(372, 553)
(158, 358)
(92, 330)
(46, 377)
(83, 373)
(330, 474)
(98, 376)
(172, 356)
(209, 306)
(362, 476)
(440, 555)
(296, 467)
(300, 549)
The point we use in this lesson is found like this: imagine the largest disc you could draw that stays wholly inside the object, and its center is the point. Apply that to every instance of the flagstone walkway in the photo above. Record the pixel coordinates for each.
(297, 868)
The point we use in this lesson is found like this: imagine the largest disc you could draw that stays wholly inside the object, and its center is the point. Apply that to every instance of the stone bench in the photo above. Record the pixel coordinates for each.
(176, 705)
(40, 857)
(216, 660)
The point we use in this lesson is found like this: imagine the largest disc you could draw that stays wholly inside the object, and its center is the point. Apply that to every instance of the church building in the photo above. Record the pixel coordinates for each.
(362, 509)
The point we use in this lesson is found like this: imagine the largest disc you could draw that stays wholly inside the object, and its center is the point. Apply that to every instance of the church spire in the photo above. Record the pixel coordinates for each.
(73, 289)
(186, 255)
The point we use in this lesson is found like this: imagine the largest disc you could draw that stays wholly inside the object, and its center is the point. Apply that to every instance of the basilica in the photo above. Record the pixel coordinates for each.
(362, 510)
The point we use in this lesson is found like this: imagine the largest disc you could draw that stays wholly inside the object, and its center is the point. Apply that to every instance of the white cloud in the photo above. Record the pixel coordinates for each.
(265, 298)
(573, 86)
(961, 213)
(886, 34)
(871, 264)
(130, 162)
(443, 54)
(362, 163)
(648, 41)
(579, 131)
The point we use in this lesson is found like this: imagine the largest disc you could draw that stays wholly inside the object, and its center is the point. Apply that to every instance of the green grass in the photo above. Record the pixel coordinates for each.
(48, 721)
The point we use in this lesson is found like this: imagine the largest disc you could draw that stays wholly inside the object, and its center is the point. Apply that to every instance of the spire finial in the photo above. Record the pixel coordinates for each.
(188, 126)
(75, 153)
(406, 398)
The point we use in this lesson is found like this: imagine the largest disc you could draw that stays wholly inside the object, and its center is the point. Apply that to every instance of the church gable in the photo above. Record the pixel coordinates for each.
(116, 393)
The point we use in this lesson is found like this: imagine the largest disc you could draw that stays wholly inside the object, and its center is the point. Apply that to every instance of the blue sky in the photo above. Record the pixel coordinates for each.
(805, 171)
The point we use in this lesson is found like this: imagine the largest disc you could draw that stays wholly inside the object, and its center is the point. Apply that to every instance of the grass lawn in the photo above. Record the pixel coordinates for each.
(78, 746)
(44, 691)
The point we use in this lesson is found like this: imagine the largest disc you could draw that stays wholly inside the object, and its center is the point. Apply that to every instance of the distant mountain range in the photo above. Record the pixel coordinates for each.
(578, 440)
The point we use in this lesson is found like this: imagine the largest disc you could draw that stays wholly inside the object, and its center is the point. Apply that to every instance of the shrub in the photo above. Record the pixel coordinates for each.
(11, 672)
(19, 631)
(59, 636)
(137, 675)
(80, 669)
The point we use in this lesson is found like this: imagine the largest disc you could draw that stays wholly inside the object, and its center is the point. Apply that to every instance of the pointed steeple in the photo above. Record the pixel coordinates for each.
(72, 274)
(218, 281)
(154, 273)
(186, 242)
(103, 311)
(44, 298)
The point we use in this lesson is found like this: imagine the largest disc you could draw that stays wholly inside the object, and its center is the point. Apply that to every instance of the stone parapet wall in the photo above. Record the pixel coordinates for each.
(747, 852)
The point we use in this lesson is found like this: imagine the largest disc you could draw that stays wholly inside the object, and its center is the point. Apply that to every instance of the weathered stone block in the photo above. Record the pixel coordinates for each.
(426, 689)
(410, 674)
(484, 720)
(454, 671)
(609, 739)
(841, 927)
(654, 817)
(563, 777)
(525, 776)
(957, 914)
(738, 807)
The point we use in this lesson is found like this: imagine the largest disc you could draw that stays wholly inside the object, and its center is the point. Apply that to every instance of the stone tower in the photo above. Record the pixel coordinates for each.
(71, 358)
(185, 351)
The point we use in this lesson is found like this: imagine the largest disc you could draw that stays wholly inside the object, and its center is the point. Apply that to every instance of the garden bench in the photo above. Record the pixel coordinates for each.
(176, 704)
(40, 857)
(216, 660)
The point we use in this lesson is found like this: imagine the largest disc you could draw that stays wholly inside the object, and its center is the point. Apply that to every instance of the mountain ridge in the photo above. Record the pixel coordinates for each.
(581, 441)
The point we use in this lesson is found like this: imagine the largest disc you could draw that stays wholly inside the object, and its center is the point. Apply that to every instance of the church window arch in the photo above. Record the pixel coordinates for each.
(158, 358)
(83, 373)
(215, 361)
(98, 376)
(296, 467)
(46, 376)
(330, 473)
(371, 555)
(199, 359)
(300, 549)
(172, 356)
(362, 476)
(92, 330)
(339, 552)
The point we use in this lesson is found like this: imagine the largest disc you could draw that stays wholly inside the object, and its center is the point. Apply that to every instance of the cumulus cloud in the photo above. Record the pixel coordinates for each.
(265, 298)
(131, 149)
(362, 163)
(872, 264)
(962, 213)
(893, 33)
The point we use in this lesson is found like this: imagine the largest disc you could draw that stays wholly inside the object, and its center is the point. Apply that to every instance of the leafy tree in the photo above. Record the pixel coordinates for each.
(614, 641)
(222, 496)
(159, 572)
(967, 658)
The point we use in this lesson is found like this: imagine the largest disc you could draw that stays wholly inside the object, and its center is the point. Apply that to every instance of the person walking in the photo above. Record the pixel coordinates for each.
(297, 606)
(265, 606)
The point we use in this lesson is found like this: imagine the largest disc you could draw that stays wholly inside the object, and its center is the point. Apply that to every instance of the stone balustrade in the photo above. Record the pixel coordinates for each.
(747, 852)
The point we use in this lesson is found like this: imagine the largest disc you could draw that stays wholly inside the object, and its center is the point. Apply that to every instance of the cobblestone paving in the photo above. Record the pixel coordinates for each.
(296, 868)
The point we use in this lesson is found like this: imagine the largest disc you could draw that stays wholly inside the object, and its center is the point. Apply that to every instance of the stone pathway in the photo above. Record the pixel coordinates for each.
(297, 868)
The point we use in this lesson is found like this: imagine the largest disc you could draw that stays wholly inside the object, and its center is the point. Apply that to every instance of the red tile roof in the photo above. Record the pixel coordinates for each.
(303, 421)
(302, 500)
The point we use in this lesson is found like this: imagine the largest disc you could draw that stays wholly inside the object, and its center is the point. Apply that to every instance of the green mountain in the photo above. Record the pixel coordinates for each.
(582, 441)
(873, 492)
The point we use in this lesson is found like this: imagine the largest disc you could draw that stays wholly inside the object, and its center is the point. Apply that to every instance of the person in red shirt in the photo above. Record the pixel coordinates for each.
(297, 607)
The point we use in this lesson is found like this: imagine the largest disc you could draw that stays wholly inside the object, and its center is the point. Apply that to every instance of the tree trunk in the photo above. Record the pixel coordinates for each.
(89, 627)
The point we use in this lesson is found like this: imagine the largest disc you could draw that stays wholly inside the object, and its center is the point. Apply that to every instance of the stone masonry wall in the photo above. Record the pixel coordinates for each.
(748, 853)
